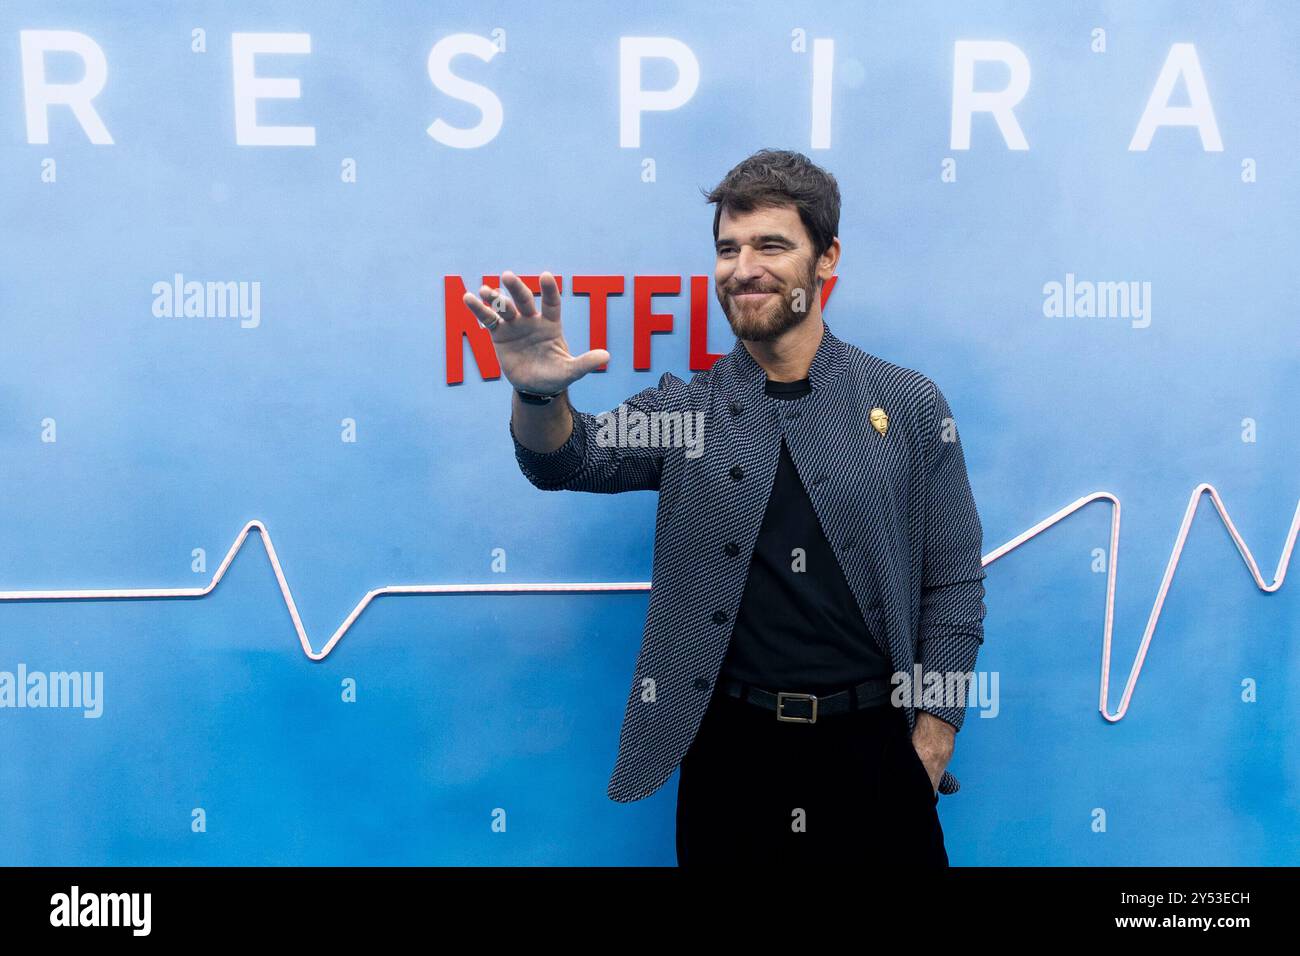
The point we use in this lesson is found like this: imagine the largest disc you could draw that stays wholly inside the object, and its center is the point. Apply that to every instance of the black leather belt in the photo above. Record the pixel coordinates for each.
(870, 693)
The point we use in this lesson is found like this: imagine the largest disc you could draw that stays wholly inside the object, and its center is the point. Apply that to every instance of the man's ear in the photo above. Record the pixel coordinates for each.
(830, 259)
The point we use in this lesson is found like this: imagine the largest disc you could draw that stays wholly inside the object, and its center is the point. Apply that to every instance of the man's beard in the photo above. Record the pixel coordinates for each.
(772, 317)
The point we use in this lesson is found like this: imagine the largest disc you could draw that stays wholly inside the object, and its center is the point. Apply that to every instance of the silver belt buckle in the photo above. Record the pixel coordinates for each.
(782, 697)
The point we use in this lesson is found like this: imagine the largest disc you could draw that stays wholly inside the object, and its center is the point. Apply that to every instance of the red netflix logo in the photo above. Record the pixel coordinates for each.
(462, 326)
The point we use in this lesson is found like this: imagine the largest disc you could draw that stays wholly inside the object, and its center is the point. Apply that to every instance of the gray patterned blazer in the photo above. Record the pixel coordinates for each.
(896, 507)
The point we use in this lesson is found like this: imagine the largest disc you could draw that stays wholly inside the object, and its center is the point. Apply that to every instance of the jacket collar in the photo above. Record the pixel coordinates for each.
(828, 361)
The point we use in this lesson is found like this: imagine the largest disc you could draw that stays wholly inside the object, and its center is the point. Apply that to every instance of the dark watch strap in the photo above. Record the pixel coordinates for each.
(532, 398)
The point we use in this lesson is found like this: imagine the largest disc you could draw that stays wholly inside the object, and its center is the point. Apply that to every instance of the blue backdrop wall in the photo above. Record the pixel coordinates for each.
(136, 444)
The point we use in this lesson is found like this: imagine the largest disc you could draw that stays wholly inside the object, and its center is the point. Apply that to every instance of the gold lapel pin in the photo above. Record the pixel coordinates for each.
(879, 420)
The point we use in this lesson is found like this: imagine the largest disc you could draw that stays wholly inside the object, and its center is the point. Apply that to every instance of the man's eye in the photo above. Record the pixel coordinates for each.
(773, 245)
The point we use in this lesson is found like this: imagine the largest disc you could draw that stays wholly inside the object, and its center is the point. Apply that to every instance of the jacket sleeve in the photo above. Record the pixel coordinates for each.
(593, 458)
(951, 627)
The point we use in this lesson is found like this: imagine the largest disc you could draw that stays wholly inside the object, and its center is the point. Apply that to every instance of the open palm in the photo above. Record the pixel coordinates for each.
(530, 342)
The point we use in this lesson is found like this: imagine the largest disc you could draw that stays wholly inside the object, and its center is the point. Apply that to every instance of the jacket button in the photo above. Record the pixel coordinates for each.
(734, 408)
(792, 413)
(848, 544)
(819, 479)
(732, 549)
(701, 684)
(737, 472)
(719, 617)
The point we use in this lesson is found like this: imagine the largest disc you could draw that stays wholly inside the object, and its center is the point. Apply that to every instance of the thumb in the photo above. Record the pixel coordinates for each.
(589, 361)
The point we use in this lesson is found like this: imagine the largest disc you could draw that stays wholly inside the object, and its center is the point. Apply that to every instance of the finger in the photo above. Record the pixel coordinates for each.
(499, 303)
(589, 361)
(482, 311)
(522, 295)
(550, 296)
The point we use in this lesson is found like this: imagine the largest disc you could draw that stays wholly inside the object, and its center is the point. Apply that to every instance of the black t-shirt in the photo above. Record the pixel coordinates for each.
(799, 627)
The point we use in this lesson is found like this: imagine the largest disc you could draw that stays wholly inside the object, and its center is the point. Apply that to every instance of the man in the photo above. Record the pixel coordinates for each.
(815, 570)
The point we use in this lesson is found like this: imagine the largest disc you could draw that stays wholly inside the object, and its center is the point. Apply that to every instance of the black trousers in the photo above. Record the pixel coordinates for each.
(849, 788)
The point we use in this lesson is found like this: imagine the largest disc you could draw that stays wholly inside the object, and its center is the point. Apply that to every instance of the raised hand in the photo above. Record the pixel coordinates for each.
(530, 342)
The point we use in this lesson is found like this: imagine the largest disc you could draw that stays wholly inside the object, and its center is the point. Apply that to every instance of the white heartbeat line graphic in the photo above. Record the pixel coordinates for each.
(1113, 557)
(599, 587)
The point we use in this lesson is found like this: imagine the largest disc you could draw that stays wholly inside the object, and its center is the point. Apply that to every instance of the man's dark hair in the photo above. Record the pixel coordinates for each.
(778, 177)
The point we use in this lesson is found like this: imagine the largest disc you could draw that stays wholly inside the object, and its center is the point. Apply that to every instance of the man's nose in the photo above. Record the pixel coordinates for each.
(747, 267)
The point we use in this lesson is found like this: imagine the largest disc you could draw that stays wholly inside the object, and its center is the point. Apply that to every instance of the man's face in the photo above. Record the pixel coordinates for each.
(765, 274)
